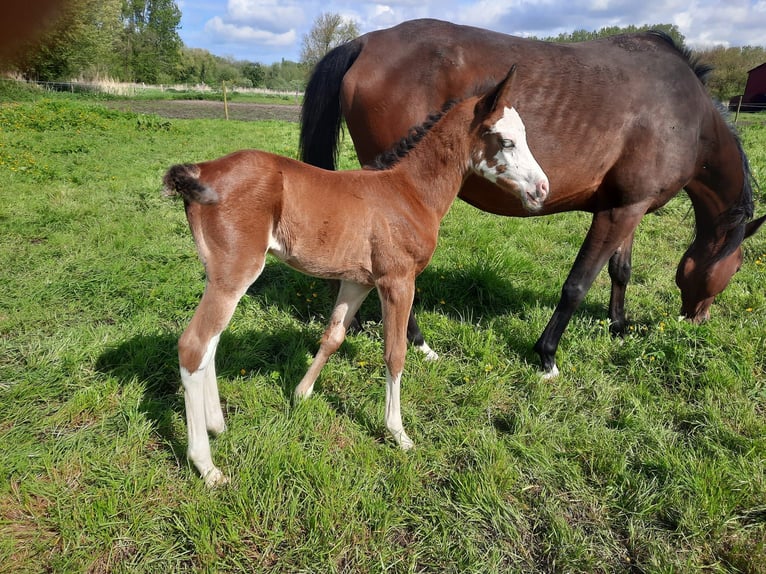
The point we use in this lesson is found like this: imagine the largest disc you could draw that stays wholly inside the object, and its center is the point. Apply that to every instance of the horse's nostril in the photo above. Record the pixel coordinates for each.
(542, 188)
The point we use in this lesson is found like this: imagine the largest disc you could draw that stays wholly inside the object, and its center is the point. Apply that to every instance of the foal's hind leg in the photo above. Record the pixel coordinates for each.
(196, 354)
(350, 298)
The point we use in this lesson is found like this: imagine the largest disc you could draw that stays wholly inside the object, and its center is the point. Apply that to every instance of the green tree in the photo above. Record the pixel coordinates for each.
(151, 46)
(730, 67)
(285, 76)
(328, 31)
(81, 43)
(582, 35)
(254, 72)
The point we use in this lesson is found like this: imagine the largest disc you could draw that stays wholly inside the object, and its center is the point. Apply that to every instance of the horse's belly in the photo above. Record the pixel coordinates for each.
(488, 197)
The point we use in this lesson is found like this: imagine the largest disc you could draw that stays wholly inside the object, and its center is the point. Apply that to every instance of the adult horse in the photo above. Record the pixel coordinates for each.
(619, 125)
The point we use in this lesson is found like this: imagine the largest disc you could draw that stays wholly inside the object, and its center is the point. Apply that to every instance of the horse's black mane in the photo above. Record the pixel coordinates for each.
(701, 69)
(389, 158)
(743, 211)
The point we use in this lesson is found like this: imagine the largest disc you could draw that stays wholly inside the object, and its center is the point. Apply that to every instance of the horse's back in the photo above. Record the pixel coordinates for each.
(588, 106)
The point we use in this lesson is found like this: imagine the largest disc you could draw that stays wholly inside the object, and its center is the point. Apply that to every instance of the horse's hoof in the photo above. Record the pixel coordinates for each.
(300, 396)
(216, 428)
(405, 443)
(430, 354)
(551, 374)
(215, 478)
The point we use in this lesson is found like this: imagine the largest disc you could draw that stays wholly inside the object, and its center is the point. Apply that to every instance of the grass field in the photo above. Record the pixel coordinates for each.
(647, 454)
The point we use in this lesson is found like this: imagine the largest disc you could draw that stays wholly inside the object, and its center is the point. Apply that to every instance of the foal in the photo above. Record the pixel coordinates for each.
(366, 228)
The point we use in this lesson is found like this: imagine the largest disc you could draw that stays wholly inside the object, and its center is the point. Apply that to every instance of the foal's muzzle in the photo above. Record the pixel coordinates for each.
(534, 198)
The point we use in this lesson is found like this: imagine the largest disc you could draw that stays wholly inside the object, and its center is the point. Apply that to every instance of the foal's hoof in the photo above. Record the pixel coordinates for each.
(404, 442)
(216, 428)
(215, 478)
(300, 396)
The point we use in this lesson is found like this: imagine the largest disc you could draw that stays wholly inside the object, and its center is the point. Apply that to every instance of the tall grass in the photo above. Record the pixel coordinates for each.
(647, 454)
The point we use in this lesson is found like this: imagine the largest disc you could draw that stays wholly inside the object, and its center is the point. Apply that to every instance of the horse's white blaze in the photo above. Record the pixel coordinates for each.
(394, 411)
(516, 163)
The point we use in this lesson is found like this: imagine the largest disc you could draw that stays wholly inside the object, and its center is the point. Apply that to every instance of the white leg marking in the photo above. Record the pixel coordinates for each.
(430, 354)
(214, 421)
(552, 374)
(394, 412)
(195, 395)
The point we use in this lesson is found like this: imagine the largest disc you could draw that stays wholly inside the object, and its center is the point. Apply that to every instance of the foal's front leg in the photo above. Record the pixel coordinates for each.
(396, 301)
(350, 298)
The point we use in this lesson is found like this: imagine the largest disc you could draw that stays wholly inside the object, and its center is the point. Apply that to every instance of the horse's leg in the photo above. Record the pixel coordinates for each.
(196, 353)
(619, 272)
(415, 336)
(396, 301)
(350, 298)
(608, 231)
(355, 325)
(196, 357)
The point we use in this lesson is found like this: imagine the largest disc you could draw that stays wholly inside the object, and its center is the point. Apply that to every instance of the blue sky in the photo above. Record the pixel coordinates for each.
(267, 31)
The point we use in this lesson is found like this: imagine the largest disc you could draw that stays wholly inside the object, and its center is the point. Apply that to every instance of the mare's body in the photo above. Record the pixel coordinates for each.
(619, 125)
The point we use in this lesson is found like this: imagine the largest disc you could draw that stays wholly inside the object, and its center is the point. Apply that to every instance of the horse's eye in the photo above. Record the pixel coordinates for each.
(508, 144)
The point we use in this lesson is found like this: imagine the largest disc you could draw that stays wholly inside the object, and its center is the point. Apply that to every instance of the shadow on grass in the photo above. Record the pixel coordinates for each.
(151, 360)
(473, 291)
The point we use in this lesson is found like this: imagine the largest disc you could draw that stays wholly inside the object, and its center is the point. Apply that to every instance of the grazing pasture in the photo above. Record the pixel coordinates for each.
(647, 453)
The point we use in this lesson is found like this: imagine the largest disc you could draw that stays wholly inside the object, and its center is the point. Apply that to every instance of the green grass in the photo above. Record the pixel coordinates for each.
(647, 454)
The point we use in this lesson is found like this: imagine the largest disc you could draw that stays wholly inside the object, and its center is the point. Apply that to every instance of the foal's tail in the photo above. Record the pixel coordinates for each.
(184, 180)
(321, 116)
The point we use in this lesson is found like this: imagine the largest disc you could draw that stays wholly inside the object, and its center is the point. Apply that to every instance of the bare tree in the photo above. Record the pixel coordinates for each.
(328, 31)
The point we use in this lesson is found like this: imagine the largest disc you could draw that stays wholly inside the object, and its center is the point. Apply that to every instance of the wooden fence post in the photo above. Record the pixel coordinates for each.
(225, 103)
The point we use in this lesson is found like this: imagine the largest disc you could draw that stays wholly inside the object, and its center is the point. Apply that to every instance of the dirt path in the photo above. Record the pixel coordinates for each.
(201, 109)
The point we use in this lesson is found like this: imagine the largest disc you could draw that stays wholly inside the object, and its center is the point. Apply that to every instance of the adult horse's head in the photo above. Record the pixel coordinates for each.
(503, 156)
(701, 277)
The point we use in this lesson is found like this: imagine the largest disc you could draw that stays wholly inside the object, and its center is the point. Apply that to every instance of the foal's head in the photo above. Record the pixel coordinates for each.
(503, 156)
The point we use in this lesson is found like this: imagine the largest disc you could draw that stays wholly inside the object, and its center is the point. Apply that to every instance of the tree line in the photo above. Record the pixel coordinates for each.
(138, 41)
(730, 65)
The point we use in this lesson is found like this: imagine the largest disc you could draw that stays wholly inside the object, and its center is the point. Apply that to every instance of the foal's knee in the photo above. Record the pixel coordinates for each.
(333, 337)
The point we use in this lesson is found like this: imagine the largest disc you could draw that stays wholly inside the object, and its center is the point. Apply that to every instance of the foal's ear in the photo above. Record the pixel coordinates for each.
(502, 93)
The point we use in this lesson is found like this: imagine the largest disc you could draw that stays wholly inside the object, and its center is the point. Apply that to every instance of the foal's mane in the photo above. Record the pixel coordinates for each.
(390, 158)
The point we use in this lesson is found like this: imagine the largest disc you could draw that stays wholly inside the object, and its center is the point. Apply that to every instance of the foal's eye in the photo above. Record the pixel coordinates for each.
(508, 144)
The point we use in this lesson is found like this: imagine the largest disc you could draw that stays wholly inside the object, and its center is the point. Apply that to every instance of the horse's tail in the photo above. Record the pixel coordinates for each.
(184, 180)
(321, 116)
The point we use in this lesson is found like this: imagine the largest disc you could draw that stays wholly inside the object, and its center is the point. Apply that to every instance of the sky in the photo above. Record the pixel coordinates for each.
(268, 31)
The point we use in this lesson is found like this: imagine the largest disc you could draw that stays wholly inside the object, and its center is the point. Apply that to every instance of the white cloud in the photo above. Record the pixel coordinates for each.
(269, 14)
(246, 24)
(223, 33)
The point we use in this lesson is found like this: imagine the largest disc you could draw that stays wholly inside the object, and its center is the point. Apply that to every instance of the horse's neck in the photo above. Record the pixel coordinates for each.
(439, 163)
